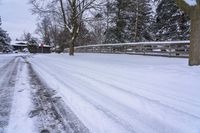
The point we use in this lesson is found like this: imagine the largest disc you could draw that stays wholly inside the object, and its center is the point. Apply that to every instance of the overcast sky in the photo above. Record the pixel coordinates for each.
(16, 17)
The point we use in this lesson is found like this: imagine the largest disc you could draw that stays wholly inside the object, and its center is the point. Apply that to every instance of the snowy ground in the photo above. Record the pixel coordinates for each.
(27, 105)
(15, 101)
(107, 93)
(122, 93)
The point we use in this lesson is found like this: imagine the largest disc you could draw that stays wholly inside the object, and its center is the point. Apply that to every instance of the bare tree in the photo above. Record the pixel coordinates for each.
(194, 13)
(26, 36)
(75, 10)
(44, 29)
(71, 12)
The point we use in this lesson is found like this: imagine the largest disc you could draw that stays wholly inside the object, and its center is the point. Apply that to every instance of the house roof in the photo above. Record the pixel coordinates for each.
(25, 43)
(19, 43)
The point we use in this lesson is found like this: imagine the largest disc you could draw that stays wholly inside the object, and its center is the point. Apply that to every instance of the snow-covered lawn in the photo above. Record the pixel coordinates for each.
(124, 93)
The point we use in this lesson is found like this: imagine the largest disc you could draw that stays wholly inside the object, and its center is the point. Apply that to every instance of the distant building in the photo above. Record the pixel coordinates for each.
(32, 46)
(44, 49)
(19, 45)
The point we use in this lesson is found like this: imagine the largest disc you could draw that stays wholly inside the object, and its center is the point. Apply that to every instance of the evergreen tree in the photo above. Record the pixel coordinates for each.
(116, 10)
(131, 21)
(4, 37)
(139, 20)
(171, 22)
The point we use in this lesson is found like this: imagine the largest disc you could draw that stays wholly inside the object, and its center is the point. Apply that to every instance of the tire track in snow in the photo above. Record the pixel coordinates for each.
(114, 117)
(102, 108)
(188, 100)
(52, 112)
(7, 82)
(152, 124)
(130, 93)
(105, 111)
(155, 92)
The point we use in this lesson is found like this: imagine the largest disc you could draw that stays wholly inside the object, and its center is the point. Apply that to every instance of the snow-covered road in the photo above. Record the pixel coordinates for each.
(13, 110)
(19, 120)
(27, 105)
(125, 94)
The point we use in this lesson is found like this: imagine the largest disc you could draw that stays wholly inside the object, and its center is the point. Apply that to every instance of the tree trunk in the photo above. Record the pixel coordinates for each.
(74, 27)
(71, 48)
(64, 20)
(194, 14)
(74, 36)
(194, 55)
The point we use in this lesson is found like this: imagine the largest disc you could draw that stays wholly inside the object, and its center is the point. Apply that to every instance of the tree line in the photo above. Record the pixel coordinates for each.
(79, 22)
(69, 23)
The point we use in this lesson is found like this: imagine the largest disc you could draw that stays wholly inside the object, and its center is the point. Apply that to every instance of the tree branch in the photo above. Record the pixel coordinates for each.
(84, 7)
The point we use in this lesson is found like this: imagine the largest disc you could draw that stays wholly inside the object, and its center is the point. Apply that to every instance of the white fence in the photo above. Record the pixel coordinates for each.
(165, 48)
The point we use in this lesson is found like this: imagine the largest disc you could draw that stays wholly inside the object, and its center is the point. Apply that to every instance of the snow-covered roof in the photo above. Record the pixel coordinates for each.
(19, 43)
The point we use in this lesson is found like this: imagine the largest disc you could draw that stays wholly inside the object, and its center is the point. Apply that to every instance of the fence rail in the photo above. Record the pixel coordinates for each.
(170, 48)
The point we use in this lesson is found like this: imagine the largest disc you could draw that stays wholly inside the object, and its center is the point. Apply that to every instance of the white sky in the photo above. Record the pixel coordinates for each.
(16, 17)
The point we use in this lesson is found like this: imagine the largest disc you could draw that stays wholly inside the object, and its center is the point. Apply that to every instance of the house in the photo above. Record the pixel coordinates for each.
(44, 48)
(32, 46)
(19, 45)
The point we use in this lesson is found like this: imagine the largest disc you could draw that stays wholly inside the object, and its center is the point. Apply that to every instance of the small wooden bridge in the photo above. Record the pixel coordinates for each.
(165, 48)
